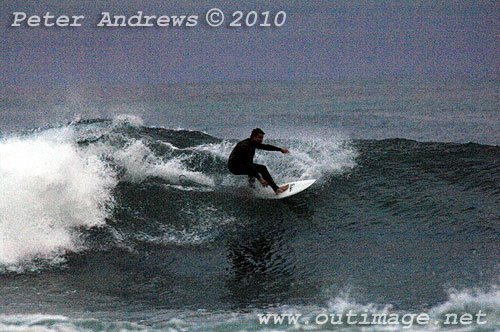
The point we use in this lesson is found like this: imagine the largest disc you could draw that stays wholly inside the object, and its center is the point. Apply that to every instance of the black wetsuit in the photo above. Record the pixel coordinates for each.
(241, 161)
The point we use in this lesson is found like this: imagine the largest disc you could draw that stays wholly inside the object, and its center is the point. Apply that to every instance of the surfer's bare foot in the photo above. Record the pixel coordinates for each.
(282, 189)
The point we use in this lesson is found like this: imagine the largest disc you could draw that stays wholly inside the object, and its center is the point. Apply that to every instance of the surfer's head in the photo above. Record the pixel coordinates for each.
(257, 135)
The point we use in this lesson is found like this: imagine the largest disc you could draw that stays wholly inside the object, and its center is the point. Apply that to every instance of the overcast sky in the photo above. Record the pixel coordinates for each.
(319, 40)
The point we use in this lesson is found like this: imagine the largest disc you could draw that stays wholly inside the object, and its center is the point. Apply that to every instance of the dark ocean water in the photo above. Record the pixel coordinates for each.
(118, 225)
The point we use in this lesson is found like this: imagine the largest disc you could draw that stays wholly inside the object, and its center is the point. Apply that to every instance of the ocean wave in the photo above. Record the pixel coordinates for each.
(134, 184)
(57, 183)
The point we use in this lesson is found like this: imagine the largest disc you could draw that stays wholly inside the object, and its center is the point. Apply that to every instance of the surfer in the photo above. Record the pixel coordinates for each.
(241, 160)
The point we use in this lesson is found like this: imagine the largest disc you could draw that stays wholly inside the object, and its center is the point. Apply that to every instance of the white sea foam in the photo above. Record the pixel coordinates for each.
(48, 188)
(309, 318)
(315, 158)
(127, 120)
(58, 323)
(140, 162)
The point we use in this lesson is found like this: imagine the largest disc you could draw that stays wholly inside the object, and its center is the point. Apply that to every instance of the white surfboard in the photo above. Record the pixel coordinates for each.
(293, 188)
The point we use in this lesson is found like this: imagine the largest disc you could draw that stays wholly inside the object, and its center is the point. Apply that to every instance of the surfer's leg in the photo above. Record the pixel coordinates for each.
(262, 170)
(243, 170)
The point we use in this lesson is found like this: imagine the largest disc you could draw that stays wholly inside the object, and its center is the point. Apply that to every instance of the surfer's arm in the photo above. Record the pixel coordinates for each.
(269, 147)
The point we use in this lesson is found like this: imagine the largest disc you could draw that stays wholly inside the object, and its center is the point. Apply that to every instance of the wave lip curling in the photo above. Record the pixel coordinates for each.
(49, 188)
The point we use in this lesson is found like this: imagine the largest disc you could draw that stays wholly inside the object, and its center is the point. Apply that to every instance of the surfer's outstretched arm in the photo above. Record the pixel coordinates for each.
(269, 147)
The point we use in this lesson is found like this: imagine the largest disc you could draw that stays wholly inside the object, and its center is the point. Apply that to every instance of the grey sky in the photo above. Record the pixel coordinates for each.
(320, 40)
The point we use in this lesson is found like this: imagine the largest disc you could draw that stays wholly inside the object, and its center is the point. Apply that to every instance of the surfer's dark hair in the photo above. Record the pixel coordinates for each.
(257, 131)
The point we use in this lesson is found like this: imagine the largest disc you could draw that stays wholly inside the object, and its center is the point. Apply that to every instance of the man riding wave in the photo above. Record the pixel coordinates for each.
(241, 160)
